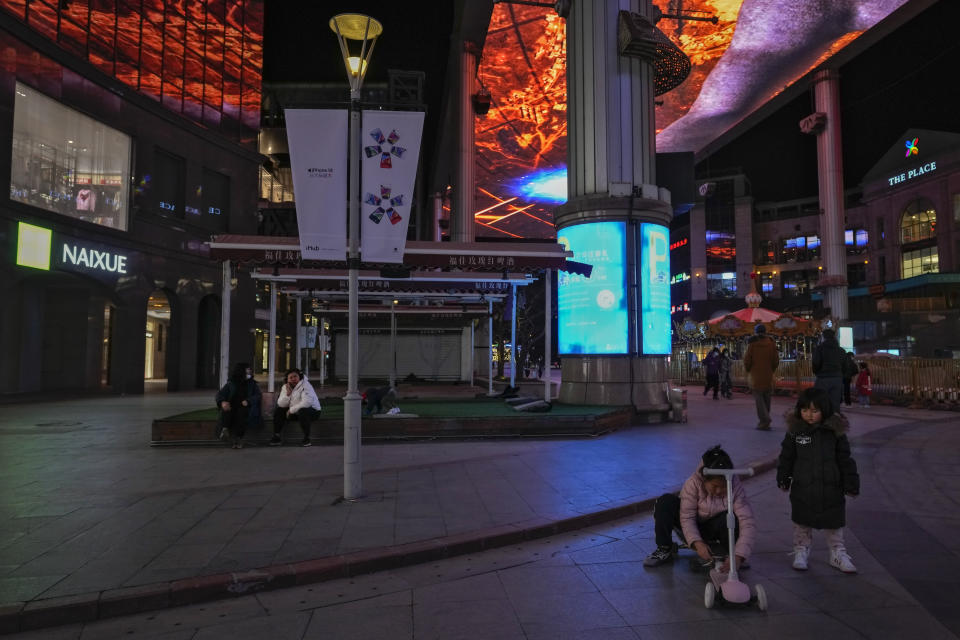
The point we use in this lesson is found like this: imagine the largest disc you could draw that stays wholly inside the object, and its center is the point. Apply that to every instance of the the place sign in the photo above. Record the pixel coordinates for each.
(916, 172)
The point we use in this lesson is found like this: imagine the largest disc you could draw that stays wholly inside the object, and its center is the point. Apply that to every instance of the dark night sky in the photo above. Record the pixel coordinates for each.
(300, 47)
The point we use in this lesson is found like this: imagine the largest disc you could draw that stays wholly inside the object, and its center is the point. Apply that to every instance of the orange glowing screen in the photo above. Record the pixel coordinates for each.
(202, 59)
(738, 64)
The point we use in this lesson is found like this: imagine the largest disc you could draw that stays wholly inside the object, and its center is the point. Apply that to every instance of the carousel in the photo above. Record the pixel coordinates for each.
(795, 336)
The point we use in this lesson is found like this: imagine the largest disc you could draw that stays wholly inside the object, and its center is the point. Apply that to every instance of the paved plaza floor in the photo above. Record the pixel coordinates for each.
(86, 507)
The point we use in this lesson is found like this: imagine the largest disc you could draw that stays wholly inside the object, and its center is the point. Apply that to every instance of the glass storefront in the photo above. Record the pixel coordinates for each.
(68, 163)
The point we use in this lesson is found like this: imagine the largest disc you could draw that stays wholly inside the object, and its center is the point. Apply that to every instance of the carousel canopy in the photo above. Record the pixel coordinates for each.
(749, 315)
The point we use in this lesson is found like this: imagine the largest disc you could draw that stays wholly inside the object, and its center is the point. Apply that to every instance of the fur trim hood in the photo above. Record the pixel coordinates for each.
(838, 423)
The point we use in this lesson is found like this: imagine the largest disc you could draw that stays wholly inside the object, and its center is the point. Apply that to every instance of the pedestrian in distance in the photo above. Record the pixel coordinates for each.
(760, 363)
(850, 371)
(699, 515)
(828, 367)
(864, 385)
(726, 383)
(711, 365)
(816, 467)
(297, 401)
(238, 405)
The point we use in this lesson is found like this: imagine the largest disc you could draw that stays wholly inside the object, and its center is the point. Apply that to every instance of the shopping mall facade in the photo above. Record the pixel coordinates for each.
(130, 139)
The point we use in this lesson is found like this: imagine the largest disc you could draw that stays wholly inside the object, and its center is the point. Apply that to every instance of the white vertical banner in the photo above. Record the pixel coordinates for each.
(391, 150)
(317, 139)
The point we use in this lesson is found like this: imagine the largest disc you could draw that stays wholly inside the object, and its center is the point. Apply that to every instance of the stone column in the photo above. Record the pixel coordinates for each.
(461, 218)
(611, 177)
(825, 124)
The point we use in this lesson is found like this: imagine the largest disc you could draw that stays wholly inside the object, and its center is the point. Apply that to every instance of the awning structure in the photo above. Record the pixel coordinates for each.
(443, 279)
(468, 256)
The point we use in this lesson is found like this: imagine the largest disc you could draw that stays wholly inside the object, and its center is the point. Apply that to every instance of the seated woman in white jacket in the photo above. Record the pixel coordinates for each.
(297, 401)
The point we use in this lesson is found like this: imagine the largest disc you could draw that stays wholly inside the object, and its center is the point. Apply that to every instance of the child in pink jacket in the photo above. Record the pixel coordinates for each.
(699, 513)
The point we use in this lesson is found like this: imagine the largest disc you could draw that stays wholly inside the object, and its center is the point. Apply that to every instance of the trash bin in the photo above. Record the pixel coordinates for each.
(678, 405)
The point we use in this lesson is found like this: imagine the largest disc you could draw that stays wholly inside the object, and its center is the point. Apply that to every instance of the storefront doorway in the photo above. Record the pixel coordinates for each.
(157, 337)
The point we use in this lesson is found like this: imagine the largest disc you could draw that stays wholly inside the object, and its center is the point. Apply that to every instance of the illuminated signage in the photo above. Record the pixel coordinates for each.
(192, 210)
(93, 259)
(916, 172)
(680, 277)
(912, 147)
(655, 288)
(678, 244)
(592, 312)
(213, 211)
(679, 307)
(169, 206)
(33, 246)
(35, 250)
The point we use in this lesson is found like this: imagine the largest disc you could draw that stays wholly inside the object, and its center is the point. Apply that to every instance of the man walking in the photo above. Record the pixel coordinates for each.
(828, 361)
(760, 362)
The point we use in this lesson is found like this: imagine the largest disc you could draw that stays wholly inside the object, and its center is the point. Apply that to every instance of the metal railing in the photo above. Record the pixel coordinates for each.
(905, 378)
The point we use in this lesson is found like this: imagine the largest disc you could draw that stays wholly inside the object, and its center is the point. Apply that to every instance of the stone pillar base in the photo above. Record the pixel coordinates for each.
(607, 380)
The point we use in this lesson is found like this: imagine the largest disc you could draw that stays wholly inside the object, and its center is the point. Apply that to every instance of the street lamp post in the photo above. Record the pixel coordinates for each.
(365, 30)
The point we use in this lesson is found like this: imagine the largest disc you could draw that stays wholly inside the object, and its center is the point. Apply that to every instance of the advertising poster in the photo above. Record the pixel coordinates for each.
(317, 139)
(391, 150)
(592, 312)
(655, 288)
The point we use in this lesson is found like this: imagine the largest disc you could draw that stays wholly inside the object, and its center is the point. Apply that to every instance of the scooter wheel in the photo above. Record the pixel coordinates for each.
(709, 595)
(761, 597)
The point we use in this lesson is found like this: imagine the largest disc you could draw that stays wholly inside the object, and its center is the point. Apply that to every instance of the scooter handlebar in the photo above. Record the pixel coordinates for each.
(728, 472)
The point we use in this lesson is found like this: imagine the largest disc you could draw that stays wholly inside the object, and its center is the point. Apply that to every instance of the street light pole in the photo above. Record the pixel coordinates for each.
(353, 26)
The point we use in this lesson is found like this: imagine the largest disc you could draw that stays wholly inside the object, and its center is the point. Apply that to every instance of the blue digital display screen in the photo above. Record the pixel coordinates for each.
(592, 312)
(655, 288)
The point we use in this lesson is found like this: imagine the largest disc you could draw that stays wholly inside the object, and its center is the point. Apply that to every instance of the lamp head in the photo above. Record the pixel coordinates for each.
(357, 32)
(356, 26)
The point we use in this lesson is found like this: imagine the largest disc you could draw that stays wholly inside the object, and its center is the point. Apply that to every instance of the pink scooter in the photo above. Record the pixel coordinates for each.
(731, 590)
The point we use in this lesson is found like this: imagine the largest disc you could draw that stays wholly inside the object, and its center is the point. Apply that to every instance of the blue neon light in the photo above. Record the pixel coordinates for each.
(655, 288)
(592, 312)
(548, 185)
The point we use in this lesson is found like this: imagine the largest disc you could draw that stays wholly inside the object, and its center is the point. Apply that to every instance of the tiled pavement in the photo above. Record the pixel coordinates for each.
(88, 507)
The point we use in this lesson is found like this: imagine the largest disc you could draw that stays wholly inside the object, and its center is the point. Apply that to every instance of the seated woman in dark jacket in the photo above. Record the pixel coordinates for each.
(239, 404)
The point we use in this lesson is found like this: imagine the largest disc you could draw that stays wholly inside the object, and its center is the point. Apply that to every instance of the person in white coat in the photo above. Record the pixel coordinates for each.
(297, 401)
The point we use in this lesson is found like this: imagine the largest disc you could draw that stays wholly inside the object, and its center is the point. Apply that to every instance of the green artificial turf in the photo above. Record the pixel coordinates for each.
(435, 408)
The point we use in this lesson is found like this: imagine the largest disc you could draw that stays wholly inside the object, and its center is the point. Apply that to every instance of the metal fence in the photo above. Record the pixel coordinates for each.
(904, 378)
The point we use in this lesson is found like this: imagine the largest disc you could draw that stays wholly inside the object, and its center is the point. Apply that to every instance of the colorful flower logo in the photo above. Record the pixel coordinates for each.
(385, 147)
(384, 205)
(912, 147)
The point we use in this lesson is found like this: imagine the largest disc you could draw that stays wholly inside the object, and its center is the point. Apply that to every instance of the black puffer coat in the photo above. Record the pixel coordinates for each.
(815, 463)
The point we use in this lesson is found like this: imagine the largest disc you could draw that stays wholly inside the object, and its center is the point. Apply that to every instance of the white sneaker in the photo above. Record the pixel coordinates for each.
(800, 555)
(840, 560)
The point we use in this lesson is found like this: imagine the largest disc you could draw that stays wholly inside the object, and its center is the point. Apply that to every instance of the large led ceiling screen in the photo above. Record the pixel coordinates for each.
(756, 48)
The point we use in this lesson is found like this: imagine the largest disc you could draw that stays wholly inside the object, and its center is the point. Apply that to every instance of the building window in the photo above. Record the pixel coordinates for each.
(919, 221)
(920, 261)
(795, 283)
(168, 182)
(68, 163)
(855, 241)
(215, 198)
(881, 234)
(801, 249)
(766, 283)
(856, 274)
(882, 268)
(722, 285)
(721, 248)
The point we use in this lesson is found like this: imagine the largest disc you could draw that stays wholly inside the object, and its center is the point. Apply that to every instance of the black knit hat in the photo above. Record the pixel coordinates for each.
(716, 458)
